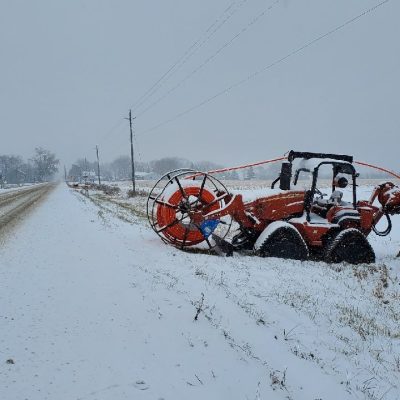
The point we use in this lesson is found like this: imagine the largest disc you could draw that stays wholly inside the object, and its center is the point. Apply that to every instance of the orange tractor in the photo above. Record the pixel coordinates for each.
(190, 209)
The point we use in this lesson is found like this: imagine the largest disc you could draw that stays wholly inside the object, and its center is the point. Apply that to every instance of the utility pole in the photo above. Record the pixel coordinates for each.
(65, 174)
(98, 163)
(132, 159)
(85, 176)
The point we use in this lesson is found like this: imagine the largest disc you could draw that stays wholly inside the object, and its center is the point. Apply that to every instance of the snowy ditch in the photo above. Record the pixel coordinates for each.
(343, 319)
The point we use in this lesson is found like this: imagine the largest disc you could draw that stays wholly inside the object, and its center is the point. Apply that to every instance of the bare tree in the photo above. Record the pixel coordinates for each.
(11, 169)
(250, 173)
(45, 163)
(166, 164)
(206, 166)
(121, 167)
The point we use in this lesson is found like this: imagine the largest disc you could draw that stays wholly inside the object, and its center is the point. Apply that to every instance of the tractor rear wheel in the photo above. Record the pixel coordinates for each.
(351, 246)
(282, 240)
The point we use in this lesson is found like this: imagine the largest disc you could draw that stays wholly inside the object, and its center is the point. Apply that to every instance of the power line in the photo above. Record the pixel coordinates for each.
(214, 28)
(111, 130)
(266, 68)
(252, 22)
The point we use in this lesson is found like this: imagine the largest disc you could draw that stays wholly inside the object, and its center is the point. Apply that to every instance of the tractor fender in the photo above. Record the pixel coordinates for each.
(270, 229)
(283, 240)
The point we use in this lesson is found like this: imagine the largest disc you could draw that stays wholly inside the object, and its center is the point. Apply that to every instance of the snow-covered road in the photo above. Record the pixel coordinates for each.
(94, 306)
(14, 203)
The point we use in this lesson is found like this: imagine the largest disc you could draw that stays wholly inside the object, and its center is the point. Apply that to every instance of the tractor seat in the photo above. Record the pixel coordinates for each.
(334, 200)
(322, 206)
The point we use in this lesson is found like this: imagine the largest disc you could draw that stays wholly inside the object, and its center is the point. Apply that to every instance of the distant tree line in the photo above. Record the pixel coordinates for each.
(41, 167)
(120, 169)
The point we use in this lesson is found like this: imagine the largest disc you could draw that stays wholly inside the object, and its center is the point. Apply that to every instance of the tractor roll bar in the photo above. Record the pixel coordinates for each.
(310, 193)
(307, 155)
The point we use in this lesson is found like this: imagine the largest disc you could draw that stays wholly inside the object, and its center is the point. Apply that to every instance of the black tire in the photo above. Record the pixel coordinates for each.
(350, 246)
(244, 240)
(285, 242)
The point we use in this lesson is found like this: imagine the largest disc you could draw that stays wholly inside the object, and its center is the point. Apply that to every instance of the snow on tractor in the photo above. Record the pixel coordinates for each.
(191, 209)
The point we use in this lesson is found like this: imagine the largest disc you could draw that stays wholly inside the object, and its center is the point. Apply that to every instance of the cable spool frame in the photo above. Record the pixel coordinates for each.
(207, 197)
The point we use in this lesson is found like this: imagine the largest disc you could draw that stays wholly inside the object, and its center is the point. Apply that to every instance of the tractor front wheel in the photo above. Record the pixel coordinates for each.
(351, 246)
(282, 240)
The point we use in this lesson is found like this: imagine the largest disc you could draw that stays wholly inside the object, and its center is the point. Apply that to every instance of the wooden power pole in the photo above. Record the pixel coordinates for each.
(132, 159)
(98, 163)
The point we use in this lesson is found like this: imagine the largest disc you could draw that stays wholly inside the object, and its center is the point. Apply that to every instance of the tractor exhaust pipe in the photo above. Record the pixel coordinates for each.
(285, 176)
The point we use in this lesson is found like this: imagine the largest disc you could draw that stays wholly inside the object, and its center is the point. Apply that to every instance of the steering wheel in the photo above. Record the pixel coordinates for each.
(317, 191)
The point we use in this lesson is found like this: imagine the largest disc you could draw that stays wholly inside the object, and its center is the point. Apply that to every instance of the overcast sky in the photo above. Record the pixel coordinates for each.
(71, 69)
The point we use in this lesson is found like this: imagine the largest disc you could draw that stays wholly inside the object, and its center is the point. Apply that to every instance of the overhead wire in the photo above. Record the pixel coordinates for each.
(210, 31)
(213, 29)
(112, 130)
(378, 168)
(252, 22)
(265, 68)
(282, 158)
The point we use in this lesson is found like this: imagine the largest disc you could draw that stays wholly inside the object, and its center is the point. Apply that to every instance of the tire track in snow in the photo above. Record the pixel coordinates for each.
(14, 204)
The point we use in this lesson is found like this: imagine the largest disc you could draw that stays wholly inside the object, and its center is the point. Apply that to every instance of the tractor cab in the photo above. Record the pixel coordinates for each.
(341, 193)
(330, 184)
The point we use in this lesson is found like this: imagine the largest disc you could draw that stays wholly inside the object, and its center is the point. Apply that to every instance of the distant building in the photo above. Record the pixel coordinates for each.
(141, 176)
(88, 177)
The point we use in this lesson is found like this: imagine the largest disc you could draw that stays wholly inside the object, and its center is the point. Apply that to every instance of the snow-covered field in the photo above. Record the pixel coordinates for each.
(95, 306)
